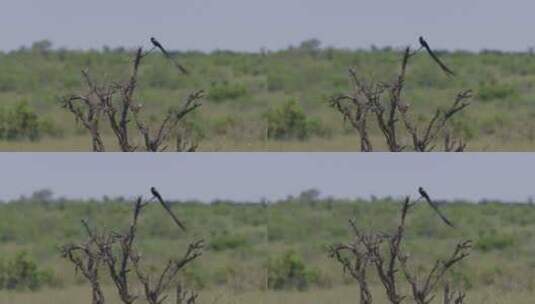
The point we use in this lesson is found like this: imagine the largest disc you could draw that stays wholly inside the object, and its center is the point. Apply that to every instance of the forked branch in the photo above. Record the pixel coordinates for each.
(116, 252)
(384, 100)
(116, 102)
(383, 252)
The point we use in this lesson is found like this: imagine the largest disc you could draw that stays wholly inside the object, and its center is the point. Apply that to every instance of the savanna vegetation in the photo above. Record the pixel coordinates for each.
(269, 100)
(269, 252)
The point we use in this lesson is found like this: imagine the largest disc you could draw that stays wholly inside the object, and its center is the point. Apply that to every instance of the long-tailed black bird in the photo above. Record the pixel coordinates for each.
(157, 44)
(432, 204)
(425, 45)
(164, 205)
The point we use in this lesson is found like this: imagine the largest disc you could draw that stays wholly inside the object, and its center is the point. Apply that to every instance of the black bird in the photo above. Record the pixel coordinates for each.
(430, 202)
(157, 44)
(425, 45)
(164, 205)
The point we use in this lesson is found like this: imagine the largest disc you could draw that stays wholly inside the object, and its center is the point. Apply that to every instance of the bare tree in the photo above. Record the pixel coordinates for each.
(423, 288)
(185, 296)
(357, 262)
(87, 110)
(154, 289)
(355, 110)
(384, 253)
(422, 142)
(383, 101)
(453, 297)
(117, 253)
(87, 260)
(116, 102)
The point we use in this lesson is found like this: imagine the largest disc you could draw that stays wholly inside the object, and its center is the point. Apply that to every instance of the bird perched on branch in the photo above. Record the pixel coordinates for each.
(425, 45)
(158, 45)
(157, 195)
(432, 204)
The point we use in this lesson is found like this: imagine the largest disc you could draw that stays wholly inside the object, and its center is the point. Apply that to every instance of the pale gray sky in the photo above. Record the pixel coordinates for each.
(252, 24)
(251, 176)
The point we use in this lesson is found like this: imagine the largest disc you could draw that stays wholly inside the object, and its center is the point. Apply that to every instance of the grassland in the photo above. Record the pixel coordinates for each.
(247, 242)
(242, 87)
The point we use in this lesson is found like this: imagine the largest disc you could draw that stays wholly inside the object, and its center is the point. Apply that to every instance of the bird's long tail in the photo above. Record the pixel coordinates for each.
(439, 62)
(175, 219)
(442, 216)
(181, 68)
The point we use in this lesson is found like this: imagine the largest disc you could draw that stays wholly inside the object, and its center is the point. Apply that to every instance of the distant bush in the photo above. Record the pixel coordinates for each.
(22, 122)
(276, 233)
(316, 127)
(494, 123)
(19, 122)
(22, 273)
(8, 82)
(195, 277)
(461, 278)
(276, 82)
(311, 46)
(227, 241)
(226, 91)
(489, 92)
(290, 122)
(464, 127)
(290, 272)
(494, 241)
(223, 125)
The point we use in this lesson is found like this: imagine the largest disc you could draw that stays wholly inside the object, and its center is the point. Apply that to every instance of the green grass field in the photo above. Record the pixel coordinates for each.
(247, 242)
(242, 87)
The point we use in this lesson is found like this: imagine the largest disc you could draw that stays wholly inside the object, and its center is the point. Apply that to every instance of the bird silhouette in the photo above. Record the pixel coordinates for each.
(425, 45)
(164, 205)
(432, 204)
(157, 44)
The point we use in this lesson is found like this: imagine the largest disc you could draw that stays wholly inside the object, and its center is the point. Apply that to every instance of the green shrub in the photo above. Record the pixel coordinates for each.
(494, 241)
(48, 127)
(460, 278)
(492, 124)
(276, 233)
(316, 127)
(19, 122)
(289, 121)
(227, 241)
(22, 273)
(489, 92)
(464, 127)
(8, 82)
(226, 91)
(195, 277)
(22, 122)
(290, 272)
(275, 82)
(223, 125)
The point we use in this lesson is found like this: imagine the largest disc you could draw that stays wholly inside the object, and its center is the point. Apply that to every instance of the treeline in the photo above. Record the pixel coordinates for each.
(46, 46)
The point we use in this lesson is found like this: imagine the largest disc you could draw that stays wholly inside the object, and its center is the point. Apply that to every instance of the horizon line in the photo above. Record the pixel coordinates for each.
(261, 49)
(530, 200)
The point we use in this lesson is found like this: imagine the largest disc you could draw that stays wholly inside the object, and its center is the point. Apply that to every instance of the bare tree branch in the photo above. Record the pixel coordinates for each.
(117, 253)
(87, 260)
(383, 252)
(116, 102)
(389, 111)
